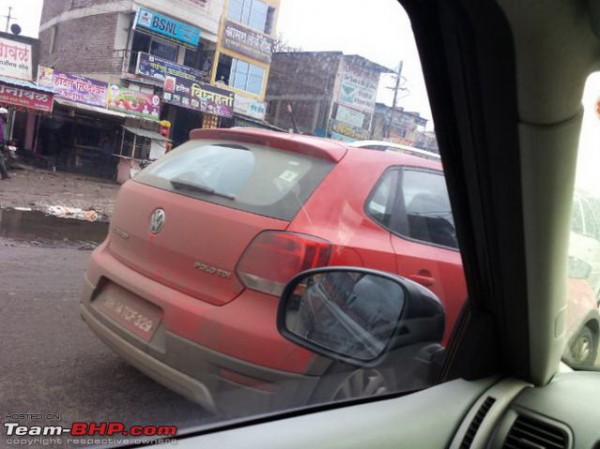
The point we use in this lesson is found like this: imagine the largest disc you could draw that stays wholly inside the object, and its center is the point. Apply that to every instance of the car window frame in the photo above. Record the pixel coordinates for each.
(399, 208)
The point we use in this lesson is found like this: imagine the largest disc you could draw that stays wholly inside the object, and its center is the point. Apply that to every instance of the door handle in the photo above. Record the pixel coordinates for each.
(424, 280)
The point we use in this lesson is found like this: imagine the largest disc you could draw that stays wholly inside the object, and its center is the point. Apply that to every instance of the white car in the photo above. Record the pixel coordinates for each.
(382, 145)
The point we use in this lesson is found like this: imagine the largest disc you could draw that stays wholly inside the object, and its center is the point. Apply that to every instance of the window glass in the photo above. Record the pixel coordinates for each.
(577, 218)
(428, 208)
(235, 9)
(201, 239)
(583, 262)
(591, 227)
(252, 13)
(381, 204)
(257, 179)
(245, 76)
(258, 16)
(164, 50)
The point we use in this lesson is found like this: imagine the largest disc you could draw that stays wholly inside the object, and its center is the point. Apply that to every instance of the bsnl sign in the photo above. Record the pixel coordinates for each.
(152, 22)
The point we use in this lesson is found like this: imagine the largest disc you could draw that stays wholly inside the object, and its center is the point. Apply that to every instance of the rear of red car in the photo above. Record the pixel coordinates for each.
(186, 285)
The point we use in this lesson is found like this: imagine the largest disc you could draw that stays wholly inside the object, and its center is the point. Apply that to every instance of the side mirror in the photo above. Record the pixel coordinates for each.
(358, 315)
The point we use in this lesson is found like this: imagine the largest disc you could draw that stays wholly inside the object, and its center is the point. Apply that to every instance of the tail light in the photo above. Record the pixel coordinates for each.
(273, 258)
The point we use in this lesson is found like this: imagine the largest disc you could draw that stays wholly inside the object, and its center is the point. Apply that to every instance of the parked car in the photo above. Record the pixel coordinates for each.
(203, 241)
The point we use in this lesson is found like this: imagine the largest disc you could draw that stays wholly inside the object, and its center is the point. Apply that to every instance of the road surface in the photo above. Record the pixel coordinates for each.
(51, 364)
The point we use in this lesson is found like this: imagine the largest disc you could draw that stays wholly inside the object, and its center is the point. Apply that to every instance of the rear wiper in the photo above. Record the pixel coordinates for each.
(186, 185)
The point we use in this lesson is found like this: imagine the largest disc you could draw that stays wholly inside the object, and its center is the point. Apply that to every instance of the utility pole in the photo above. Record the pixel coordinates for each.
(8, 18)
(396, 89)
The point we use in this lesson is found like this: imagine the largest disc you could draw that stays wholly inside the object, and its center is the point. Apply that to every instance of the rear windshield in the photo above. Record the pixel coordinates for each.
(252, 178)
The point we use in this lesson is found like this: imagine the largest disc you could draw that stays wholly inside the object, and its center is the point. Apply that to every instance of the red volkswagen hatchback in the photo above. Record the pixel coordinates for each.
(202, 242)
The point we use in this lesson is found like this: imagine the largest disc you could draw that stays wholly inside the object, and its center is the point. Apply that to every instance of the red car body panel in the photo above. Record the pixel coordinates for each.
(244, 329)
(213, 235)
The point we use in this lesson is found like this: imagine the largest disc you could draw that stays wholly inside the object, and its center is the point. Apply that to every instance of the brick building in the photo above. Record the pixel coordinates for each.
(121, 42)
(330, 94)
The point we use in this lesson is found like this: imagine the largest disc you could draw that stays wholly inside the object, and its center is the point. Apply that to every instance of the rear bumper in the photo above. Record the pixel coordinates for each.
(160, 372)
(219, 382)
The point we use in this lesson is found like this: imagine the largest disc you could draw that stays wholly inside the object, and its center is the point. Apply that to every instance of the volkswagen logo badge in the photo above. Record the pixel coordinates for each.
(157, 221)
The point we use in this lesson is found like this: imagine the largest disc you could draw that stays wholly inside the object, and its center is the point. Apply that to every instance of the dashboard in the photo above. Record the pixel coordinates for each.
(483, 414)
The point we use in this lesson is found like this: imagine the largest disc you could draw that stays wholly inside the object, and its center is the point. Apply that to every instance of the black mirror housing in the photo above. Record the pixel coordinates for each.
(358, 315)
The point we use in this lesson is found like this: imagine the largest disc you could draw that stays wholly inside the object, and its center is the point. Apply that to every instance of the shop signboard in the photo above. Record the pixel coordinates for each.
(140, 104)
(350, 116)
(15, 59)
(75, 88)
(198, 96)
(26, 98)
(353, 132)
(158, 68)
(250, 107)
(154, 23)
(248, 42)
(358, 88)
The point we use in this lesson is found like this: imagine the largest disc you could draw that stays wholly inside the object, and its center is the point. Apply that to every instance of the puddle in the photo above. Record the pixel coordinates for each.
(36, 226)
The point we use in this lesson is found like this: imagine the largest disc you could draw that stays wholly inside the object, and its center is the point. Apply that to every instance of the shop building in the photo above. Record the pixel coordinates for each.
(26, 102)
(243, 57)
(337, 102)
(151, 61)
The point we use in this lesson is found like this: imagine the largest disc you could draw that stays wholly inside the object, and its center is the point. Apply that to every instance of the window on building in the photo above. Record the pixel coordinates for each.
(200, 58)
(240, 74)
(253, 13)
(155, 46)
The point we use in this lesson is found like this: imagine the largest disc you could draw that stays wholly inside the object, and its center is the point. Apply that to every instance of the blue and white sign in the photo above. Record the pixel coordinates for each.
(158, 68)
(152, 22)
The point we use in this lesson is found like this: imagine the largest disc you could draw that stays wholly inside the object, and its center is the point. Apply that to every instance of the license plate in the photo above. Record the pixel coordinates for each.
(130, 311)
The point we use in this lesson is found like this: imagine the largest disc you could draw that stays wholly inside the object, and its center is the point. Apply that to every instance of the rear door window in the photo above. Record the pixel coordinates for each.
(428, 210)
(414, 203)
(253, 178)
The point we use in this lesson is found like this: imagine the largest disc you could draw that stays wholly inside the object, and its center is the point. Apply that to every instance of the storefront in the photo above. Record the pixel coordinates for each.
(189, 102)
(26, 103)
(85, 133)
(194, 104)
(80, 138)
(137, 145)
(250, 113)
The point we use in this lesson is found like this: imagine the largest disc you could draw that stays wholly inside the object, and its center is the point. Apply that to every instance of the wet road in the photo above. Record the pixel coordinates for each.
(52, 364)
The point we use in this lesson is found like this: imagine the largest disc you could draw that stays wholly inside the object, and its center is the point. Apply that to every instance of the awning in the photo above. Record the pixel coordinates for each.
(25, 84)
(87, 108)
(25, 95)
(145, 133)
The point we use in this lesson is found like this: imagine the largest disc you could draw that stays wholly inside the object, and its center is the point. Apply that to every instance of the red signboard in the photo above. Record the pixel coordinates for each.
(26, 98)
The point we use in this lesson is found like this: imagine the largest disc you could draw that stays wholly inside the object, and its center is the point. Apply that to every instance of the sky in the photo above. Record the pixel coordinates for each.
(381, 33)
(26, 12)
